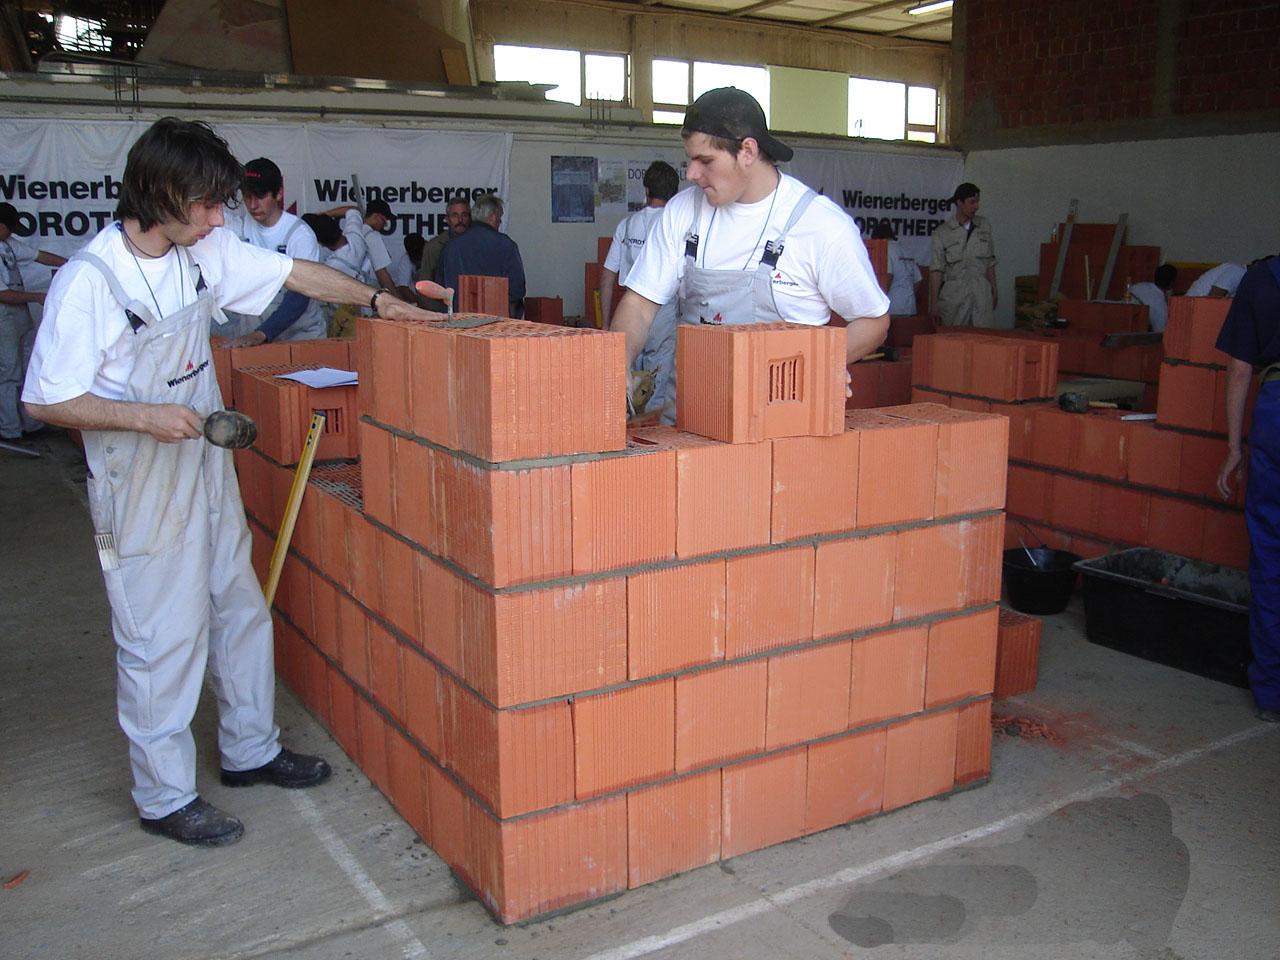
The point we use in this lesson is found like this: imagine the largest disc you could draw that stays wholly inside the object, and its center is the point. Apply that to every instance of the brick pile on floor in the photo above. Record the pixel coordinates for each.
(578, 658)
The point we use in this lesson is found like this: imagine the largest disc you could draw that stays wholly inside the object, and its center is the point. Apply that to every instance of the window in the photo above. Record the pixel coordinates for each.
(675, 86)
(887, 110)
(600, 76)
(79, 34)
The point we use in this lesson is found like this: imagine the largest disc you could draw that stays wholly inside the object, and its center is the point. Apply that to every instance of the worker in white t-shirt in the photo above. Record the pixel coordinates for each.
(1156, 295)
(123, 355)
(344, 252)
(1219, 281)
(903, 270)
(290, 316)
(369, 226)
(661, 183)
(750, 243)
(405, 267)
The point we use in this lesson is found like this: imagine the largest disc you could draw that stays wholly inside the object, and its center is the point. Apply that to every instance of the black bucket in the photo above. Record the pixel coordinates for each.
(1042, 587)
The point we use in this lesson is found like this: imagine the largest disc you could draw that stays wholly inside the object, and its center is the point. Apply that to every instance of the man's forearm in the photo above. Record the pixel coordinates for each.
(47, 259)
(935, 284)
(292, 306)
(167, 422)
(319, 282)
(863, 335)
(385, 278)
(633, 319)
(1239, 374)
(606, 297)
(18, 297)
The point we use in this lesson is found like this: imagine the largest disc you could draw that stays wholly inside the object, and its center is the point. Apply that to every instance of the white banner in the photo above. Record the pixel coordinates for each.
(911, 193)
(63, 176)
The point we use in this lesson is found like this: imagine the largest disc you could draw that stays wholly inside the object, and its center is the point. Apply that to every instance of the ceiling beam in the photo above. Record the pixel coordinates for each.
(932, 22)
(865, 11)
(753, 8)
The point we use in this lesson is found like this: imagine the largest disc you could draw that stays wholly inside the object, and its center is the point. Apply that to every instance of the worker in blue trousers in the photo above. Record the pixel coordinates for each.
(1251, 338)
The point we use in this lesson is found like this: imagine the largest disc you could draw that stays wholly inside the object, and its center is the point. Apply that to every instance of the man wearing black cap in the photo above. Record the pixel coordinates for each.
(290, 316)
(377, 214)
(749, 244)
(962, 273)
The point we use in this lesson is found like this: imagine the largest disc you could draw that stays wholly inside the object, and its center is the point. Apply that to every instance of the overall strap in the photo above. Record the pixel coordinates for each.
(691, 237)
(137, 312)
(193, 268)
(773, 249)
(291, 231)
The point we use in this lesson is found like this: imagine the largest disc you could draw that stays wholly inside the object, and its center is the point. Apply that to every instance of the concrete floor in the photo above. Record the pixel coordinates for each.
(1146, 827)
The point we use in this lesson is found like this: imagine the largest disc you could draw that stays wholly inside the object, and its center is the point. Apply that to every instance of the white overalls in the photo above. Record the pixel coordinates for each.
(17, 334)
(175, 553)
(732, 296)
(310, 325)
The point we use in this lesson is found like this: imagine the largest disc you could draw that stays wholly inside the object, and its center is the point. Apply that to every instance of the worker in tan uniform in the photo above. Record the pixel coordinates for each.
(962, 272)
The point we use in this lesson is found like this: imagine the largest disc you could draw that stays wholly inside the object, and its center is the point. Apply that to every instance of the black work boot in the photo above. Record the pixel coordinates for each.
(288, 769)
(199, 824)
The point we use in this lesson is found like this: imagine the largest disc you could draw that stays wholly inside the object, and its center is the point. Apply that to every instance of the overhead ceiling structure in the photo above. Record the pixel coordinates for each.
(930, 21)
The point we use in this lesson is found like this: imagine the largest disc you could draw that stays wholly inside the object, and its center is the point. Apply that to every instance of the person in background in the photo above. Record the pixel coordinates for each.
(457, 217)
(962, 272)
(1250, 337)
(1219, 281)
(345, 253)
(661, 183)
(123, 355)
(377, 214)
(903, 270)
(290, 316)
(749, 243)
(483, 251)
(17, 329)
(1155, 294)
(405, 267)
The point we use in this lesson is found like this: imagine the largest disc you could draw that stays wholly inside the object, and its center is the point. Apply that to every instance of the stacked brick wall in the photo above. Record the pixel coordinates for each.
(578, 658)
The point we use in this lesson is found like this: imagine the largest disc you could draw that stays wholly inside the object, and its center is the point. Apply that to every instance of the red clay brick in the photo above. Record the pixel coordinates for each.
(399, 583)
(389, 346)
(624, 510)
(920, 759)
(423, 702)
(1226, 539)
(353, 641)
(439, 630)
(887, 675)
(448, 805)
(366, 580)
(764, 802)
(406, 777)
(808, 695)
(753, 382)
(1053, 437)
(815, 485)
(675, 618)
(769, 600)
(1202, 458)
(385, 671)
(930, 571)
(854, 584)
(487, 295)
(973, 454)
(1186, 397)
(373, 744)
(342, 715)
(897, 468)
(324, 610)
(413, 484)
(375, 469)
(1155, 456)
(624, 737)
(1017, 653)
(982, 563)
(673, 827)
(1074, 503)
(1122, 514)
(962, 658)
(845, 780)
(1029, 491)
(1101, 445)
(720, 714)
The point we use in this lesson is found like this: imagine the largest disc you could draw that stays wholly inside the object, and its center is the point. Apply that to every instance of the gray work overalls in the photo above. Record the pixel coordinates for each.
(175, 553)
(17, 335)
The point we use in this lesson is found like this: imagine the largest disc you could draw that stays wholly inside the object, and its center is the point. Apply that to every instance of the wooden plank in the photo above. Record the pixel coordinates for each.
(1064, 242)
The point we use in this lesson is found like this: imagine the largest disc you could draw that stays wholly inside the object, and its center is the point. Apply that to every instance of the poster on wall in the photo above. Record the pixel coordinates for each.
(573, 189)
(611, 188)
(909, 192)
(70, 171)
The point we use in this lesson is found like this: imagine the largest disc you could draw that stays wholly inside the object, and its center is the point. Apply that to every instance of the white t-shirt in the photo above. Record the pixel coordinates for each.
(298, 244)
(902, 288)
(1225, 276)
(628, 241)
(1157, 306)
(824, 267)
(85, 343)
(375, 247)
(403, 270)
(349, 259)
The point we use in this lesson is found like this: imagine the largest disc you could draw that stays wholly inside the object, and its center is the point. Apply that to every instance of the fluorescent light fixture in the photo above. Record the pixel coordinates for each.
(920, 9)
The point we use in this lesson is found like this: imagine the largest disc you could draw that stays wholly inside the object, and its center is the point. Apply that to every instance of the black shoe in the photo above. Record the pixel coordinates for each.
(199, 824)
(288, 769)
(1270, 716)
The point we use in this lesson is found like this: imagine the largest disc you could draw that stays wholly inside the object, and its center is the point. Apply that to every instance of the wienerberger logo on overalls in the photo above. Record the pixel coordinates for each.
(779, 280)
(192, 371)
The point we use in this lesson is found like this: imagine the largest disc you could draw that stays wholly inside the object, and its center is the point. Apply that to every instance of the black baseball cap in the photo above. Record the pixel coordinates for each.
(261, 177)
(965, 191)
(378, 206)
(9, 216)
(733, 114)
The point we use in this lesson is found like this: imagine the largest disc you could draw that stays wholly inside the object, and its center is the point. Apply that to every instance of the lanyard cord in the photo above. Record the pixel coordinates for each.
(714, 210)
(182, 297)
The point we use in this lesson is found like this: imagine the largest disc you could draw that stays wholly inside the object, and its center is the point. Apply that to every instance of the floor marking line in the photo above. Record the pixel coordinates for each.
(412, 948)
(715, 921)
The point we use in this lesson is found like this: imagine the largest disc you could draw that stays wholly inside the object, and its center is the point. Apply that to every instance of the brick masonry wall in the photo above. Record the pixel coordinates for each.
(1030, 64)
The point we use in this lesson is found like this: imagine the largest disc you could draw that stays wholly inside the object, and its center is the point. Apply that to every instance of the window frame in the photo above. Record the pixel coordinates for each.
(583, 98)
